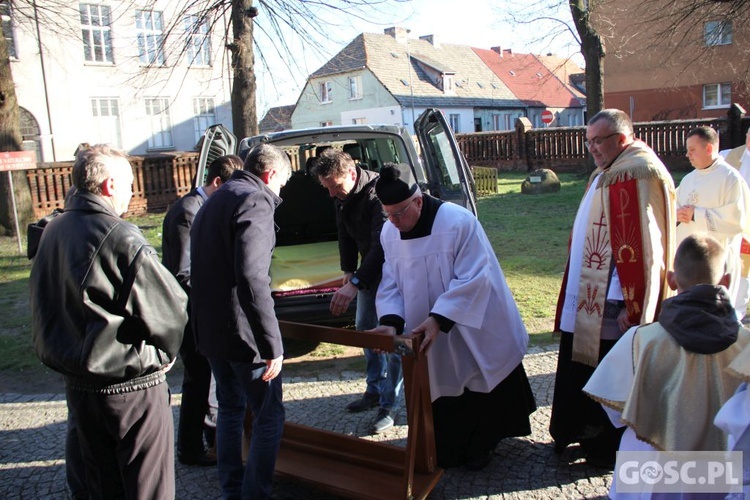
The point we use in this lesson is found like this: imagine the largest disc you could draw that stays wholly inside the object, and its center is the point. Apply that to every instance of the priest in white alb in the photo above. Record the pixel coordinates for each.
(441, 277)
(714, 198)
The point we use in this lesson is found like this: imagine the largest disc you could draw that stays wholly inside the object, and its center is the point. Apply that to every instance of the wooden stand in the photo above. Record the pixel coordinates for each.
(358, 468)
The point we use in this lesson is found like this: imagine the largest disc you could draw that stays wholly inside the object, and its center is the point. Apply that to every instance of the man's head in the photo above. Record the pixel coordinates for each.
(219, 172)
(700, 260)
(271, 164)
(608, 133)
(702, 147)
(105, 172)
(400, 195)
(336, 172)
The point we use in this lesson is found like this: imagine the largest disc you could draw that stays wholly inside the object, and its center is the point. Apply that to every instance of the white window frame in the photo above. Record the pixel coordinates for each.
(455, 122)
(718, 33)
(204, 115)
(719, 91)
(149, 26)
(359, 121)
(96, 33)
(198, 40)
(355, 87)
(326, 92)
(6, 18)
(326, 124)
(157, 111)
(105, 112)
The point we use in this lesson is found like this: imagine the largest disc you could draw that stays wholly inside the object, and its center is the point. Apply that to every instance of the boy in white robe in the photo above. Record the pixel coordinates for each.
(441, 277)
(666, 381)
(714, 198)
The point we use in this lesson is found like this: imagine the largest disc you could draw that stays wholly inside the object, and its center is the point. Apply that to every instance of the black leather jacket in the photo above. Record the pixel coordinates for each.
(105, 312)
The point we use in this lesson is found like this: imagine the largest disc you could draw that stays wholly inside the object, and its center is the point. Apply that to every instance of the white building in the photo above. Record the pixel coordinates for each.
(144, 76)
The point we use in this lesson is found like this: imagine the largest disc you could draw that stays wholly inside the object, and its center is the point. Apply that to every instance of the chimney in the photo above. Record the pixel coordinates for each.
(508, 52)
(398, 33)
(497, 49)
(433, 39)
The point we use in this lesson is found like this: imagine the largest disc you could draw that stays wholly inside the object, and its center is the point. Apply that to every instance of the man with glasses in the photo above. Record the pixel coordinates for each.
(621, 247)
(359, 217)
(441, 277)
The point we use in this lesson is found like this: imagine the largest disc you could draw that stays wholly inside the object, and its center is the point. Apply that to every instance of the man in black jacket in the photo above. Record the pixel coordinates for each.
(196, 378)
(109, 317)
(360, 217)
(233, 317)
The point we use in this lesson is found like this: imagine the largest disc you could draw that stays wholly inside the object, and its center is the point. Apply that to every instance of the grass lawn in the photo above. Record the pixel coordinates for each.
(529, 234)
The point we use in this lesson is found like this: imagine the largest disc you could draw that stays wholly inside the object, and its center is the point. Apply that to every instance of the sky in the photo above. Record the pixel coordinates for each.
(477, 23)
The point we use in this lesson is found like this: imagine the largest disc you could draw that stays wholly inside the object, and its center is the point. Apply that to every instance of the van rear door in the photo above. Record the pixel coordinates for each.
(448, 172)
(217, 141)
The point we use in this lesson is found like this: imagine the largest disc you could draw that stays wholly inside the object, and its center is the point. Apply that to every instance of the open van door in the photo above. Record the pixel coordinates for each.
(217, 141)
(449, 176)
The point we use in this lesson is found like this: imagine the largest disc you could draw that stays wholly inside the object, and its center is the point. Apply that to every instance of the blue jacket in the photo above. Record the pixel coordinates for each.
(231, 244)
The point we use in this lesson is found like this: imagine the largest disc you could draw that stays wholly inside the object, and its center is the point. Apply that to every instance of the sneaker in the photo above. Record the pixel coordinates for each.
(367, 401)
(383, 421)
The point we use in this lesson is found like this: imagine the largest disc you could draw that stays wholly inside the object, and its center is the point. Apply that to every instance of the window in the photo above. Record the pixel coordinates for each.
(157, 109)
(326, 124)
(455, 123)
(359, 121)
(355, 87)
(106, 116)
(326, 92)
(30, 132)
(198, 46)
(149, 27)
(204, 115)
(8, 28)
(717, 33)
(97, 37)
(717, 95)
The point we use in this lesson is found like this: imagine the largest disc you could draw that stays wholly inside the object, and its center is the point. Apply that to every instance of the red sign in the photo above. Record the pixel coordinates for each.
(17, 160)
(547, 116)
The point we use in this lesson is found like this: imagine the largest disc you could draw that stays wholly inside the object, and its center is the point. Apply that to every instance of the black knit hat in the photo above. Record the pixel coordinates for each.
(395, 184)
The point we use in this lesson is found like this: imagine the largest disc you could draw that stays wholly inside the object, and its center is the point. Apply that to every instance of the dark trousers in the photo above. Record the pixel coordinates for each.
(575, 416)
(74, 470)
(196, 382)
(127, 442)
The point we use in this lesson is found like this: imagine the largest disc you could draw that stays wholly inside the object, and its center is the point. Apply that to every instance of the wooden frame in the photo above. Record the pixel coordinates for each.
(358, 468)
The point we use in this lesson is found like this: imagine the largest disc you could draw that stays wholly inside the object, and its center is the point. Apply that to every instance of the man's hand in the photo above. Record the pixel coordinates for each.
(622, 320)
(273, 368)
(686, 213)
(342, 298)
(431, 329)
(390, 330)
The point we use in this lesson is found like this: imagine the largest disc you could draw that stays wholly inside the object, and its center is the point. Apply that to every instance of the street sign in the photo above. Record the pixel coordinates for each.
(547, 116)
(17, 160)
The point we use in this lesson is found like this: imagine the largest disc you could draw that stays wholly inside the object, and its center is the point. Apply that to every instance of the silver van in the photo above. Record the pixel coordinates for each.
(305, 269)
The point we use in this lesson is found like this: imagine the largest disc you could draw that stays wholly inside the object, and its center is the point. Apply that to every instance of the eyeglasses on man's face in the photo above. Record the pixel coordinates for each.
(400, 213)
(597, 141)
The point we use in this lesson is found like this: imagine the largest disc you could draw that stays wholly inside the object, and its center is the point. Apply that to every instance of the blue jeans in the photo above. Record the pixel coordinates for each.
(383, 371)
(239, 387)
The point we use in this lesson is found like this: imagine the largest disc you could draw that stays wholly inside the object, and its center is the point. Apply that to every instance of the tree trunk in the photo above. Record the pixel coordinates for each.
(11, 140)
(593, 52)
(244, 113)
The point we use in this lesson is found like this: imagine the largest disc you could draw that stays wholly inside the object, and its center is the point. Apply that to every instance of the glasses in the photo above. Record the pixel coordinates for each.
(597, 141)
(400, 213)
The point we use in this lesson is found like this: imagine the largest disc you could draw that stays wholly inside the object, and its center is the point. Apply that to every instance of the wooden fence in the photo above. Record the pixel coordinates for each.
(163, 178)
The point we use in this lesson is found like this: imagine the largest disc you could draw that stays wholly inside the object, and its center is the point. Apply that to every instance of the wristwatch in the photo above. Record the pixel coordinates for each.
(354, 280)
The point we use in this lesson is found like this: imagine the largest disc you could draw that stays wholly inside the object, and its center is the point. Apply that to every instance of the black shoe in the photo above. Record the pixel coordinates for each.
(203, 460)
(479, 462)
(367, 401)
(383, 421)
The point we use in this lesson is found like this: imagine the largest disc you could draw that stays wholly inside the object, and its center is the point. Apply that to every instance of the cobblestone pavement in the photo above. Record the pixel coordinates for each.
(32, 440)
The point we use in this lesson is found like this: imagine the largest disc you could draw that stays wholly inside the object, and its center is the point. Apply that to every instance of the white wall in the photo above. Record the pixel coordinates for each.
(72, 82)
